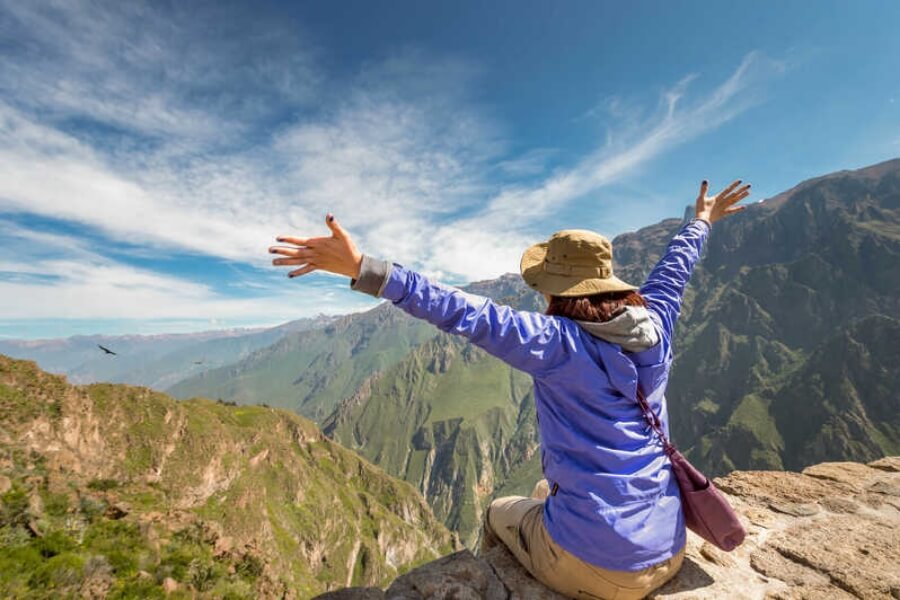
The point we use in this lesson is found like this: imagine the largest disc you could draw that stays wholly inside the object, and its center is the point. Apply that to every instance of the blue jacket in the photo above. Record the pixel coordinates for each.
(617, 504)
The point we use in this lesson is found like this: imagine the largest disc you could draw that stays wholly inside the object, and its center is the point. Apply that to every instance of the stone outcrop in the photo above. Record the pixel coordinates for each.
(787, 357)
(830, 532)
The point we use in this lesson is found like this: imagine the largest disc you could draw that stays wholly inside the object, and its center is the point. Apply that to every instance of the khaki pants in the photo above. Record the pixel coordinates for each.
(518, 522)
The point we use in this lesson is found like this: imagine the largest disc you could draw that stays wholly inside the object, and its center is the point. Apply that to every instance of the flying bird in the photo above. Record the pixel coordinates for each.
(107, 350)
(198, 362)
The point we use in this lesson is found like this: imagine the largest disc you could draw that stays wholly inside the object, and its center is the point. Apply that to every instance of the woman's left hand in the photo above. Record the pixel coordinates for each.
(336, 254)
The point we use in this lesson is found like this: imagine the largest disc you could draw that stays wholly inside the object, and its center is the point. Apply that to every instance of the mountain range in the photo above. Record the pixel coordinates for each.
(785, 357)
(156, 361)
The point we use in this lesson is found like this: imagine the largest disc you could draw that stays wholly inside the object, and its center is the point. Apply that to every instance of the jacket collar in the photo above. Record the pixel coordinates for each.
(632, 329)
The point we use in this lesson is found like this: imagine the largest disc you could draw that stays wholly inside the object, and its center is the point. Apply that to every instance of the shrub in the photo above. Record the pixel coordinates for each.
(119, 541)
(249, 567)
(202, 575)
(195, 533)
(16, 562)
(12, 536)
(97, 566)
(56, 505)
(233, 590)
(53, 543)
(91, 508)
(54, 409)
(63, 570)
(15, 506)
(176, 559)
(102, 485)
(135, 588)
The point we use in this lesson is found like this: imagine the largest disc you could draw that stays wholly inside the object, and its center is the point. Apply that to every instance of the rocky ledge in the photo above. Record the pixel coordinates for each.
(830, 532)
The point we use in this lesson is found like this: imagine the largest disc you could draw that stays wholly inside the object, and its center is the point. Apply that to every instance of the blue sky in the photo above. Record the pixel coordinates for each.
(149, 153)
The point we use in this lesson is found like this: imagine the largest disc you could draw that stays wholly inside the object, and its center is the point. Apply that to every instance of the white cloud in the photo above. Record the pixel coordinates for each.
(110, 291)
(191, 71)
(76, 283)
(404, 175)
(485, 244)
(131, 121)
(640, 143)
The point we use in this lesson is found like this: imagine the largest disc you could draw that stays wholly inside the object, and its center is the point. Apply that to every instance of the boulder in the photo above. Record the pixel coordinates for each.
(827, 533)
(459, 576)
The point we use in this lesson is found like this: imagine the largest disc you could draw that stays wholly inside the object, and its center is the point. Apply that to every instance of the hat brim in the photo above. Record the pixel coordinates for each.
(532, 268)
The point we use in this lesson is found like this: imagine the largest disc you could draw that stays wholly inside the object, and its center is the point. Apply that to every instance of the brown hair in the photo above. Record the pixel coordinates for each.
(597, 307)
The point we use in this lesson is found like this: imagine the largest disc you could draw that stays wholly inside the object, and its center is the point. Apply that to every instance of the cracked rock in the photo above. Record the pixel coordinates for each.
(819, 536)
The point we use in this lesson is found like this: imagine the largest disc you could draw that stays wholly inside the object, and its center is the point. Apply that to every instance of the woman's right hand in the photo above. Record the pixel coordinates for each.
(336, 254)
(711, 209)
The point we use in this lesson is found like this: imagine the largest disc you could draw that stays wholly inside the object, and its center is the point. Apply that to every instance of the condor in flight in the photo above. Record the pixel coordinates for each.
(107, 350)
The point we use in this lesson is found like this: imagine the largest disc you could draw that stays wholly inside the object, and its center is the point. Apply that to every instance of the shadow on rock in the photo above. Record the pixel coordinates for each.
(691, 576)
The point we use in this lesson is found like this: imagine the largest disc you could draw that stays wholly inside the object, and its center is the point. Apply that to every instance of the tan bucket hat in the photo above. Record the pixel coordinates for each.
(573, 262)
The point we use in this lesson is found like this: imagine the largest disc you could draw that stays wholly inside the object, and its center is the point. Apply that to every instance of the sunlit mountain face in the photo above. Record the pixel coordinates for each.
(783, 356)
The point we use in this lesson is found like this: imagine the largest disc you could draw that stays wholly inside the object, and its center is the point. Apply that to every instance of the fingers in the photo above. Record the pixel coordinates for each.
(740, 194)
(729, 189)
(302, 271)
(281, 262)
(305, 252)
(335, 227)
(336, 231)
(335, 253)
(734, 209)
(704, 187)
(296, 256)
(736, 196)
(297, 241)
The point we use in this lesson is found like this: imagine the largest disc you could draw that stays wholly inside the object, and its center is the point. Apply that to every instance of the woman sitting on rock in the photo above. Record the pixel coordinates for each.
(610, 524)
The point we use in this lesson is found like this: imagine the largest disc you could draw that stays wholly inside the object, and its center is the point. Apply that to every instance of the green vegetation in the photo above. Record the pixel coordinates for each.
(210, 500)
(774, 366)
(310, 372)
(116, 556)
(786, 356)
(102, 485)
(449, 419)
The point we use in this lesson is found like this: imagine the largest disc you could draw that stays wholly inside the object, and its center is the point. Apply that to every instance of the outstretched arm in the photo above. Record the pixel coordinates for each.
(527, 341)
(664, 288)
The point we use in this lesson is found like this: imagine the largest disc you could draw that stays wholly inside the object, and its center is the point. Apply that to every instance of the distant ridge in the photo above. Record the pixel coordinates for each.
(784, 357)
(157, 360)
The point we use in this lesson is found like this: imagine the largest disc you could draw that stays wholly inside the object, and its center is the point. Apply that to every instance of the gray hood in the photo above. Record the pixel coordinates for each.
(632, 329)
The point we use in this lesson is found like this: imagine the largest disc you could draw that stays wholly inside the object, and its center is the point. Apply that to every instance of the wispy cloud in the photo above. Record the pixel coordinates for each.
(679, 119)
(192, 71)
(60, 277)
(147, 130)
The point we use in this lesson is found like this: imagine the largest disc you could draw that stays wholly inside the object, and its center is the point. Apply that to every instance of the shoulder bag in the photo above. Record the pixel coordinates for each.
(706, 511)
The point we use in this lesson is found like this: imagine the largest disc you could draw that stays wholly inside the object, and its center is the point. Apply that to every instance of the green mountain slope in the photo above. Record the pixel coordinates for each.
(783, 287)
(779, 291)
(449, 419)
(110, 490)
(310, 372)
(842, 405)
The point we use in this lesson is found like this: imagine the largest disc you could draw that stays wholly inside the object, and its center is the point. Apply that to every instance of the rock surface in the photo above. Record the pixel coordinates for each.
(830, 532)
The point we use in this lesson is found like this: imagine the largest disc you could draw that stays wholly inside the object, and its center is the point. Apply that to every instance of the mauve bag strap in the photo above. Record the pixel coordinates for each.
(653, 420)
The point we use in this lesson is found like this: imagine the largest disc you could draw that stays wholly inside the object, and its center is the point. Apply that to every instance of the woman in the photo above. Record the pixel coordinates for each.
(610, 525)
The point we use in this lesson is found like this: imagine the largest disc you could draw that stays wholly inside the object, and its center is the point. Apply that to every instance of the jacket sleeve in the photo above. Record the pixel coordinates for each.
(664, 288)
(527, 341)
